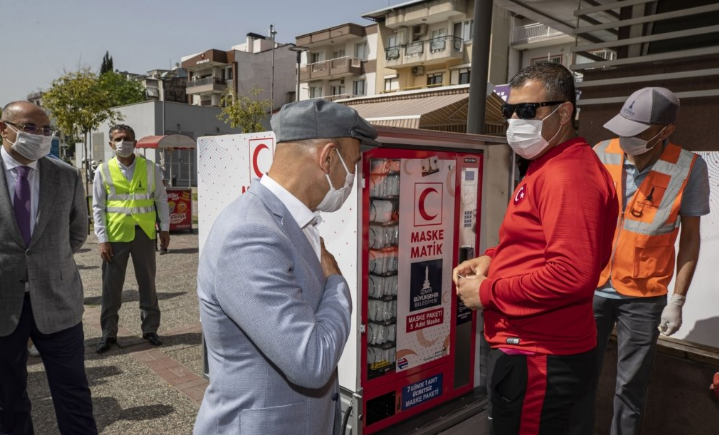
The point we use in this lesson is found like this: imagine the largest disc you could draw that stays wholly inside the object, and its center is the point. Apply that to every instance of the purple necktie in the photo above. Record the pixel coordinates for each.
(21, 202)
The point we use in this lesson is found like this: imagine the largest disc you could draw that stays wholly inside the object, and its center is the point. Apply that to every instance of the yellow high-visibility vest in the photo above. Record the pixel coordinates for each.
(129, 203)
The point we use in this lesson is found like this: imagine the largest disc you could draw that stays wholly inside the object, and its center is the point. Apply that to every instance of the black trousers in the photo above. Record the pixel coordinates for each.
(63, 354)
(535, 394)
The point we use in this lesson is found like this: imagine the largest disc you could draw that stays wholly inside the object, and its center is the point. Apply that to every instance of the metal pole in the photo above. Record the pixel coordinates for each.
(299, 64)
(480, 66)
(272, 83)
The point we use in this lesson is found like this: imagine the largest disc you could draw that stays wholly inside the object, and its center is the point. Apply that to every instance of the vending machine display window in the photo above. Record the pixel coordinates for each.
(383, 262)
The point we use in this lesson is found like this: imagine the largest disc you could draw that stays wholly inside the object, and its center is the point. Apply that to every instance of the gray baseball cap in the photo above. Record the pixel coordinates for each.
(321, 119)
(644, 108)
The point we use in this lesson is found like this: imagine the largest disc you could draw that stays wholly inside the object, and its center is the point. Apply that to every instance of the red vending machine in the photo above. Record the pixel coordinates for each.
(419, 220)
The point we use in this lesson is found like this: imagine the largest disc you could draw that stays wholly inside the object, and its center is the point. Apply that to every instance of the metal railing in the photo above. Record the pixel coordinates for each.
(206, 81)
(534, 31)
(434, 45)
(338, 97)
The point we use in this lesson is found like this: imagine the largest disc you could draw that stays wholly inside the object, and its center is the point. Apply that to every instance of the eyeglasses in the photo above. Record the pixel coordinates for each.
(33, 129)
(525, 110)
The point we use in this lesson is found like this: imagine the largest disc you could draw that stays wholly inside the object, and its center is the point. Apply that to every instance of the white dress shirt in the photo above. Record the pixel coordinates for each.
(305, 218)
(33, 178)
(99, 199)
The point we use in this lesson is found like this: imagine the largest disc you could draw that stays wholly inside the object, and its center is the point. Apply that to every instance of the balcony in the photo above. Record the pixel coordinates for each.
(338, 97)
(426, 52)
(435, 11)
(537, 35)
(208, 85)
(332, 35)
(331, 69)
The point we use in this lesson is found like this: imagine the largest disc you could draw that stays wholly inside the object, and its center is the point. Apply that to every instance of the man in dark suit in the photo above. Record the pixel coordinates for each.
(43, 222)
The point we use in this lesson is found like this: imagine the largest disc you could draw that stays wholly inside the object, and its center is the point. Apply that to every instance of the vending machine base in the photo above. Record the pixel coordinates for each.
(465, 415)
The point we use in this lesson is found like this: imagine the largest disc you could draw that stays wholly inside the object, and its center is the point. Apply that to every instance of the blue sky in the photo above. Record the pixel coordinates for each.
(43, 38)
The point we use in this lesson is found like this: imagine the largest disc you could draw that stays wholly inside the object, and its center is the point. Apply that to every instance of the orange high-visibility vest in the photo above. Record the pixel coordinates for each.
(642, 262)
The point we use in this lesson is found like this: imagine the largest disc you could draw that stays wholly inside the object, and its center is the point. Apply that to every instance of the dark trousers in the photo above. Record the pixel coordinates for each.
(637, 320)
(63, 354)
(142, 250)
(535, 394)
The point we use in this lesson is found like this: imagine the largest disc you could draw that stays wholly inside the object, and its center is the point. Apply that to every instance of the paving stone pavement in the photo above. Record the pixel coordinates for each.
(138, 388)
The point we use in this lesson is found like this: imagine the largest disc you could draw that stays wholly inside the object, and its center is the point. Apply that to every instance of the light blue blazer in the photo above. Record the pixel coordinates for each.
(274, 326)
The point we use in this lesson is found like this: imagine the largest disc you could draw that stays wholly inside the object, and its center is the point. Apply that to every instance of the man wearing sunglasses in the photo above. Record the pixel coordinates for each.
(664, 190)
(536, 286)
(43, 222)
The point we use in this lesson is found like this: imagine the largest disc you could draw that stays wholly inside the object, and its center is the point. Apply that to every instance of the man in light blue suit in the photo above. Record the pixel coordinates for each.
(274, 306)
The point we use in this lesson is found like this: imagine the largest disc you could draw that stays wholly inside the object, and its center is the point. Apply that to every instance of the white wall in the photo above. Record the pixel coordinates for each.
(147, 120)
(256, 69)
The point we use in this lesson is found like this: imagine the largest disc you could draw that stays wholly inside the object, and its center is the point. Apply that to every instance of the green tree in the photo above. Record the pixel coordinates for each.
(79, 105)
(106, 65)
(244, 111)
(120, 90)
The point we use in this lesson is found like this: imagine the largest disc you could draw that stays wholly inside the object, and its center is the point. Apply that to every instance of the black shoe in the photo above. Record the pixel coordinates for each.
(152, 338)
(104, 344)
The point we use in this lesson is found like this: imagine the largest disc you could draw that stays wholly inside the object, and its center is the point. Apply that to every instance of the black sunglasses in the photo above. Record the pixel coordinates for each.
(525, 110)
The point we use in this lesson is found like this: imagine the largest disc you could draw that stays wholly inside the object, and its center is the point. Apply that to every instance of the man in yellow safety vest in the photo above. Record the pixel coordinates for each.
(128, 196)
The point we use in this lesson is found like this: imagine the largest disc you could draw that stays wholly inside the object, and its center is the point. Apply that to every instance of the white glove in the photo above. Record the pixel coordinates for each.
(672, 315)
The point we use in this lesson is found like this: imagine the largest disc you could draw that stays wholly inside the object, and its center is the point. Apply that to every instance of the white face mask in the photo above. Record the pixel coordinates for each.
(124, 149)
(525, 136)
(32, 146)
(334, 198)
(635, 146)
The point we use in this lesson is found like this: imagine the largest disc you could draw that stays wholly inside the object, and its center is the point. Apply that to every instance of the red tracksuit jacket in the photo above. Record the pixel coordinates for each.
(555, 240)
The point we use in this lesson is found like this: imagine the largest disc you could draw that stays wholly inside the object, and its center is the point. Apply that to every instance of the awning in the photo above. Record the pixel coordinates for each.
(170, 141)
(442, 111)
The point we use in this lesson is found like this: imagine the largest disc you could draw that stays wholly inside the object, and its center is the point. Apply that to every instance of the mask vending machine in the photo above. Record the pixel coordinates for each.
(414, 213)
(416, 345)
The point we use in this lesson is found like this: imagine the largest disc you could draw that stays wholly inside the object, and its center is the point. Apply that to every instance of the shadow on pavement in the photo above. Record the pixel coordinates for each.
(132, 295)
(183, 251)
(107, 411)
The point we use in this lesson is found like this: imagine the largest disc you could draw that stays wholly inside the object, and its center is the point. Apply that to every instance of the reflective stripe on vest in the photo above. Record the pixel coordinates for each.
(642, 262)
(130, 203)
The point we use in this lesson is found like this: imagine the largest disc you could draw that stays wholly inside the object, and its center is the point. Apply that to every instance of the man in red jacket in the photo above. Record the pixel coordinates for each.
(536, 286)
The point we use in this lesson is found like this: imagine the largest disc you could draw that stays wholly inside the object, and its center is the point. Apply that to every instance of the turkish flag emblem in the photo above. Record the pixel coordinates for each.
(520, 194)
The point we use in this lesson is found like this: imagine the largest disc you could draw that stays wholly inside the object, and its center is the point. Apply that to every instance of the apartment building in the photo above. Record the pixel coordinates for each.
(427, 44)
(254, 63)
(532, 41)
(338, 62)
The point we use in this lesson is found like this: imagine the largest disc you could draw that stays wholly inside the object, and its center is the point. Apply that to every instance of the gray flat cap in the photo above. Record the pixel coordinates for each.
(645, 107)
(321, 119)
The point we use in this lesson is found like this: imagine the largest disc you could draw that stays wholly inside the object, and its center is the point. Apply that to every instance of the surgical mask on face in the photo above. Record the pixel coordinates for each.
(334, 198)
(635, 146)
(32, 146)
(124, 149)
(525, 136)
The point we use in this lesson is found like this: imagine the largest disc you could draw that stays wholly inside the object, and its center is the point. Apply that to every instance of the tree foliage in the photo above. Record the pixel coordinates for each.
(78, 103)
(120, 90)
(244, 111)
(106, 65)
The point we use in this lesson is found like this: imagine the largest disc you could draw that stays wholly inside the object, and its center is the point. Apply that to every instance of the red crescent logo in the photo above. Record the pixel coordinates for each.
(254, 158)
(422, 198)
